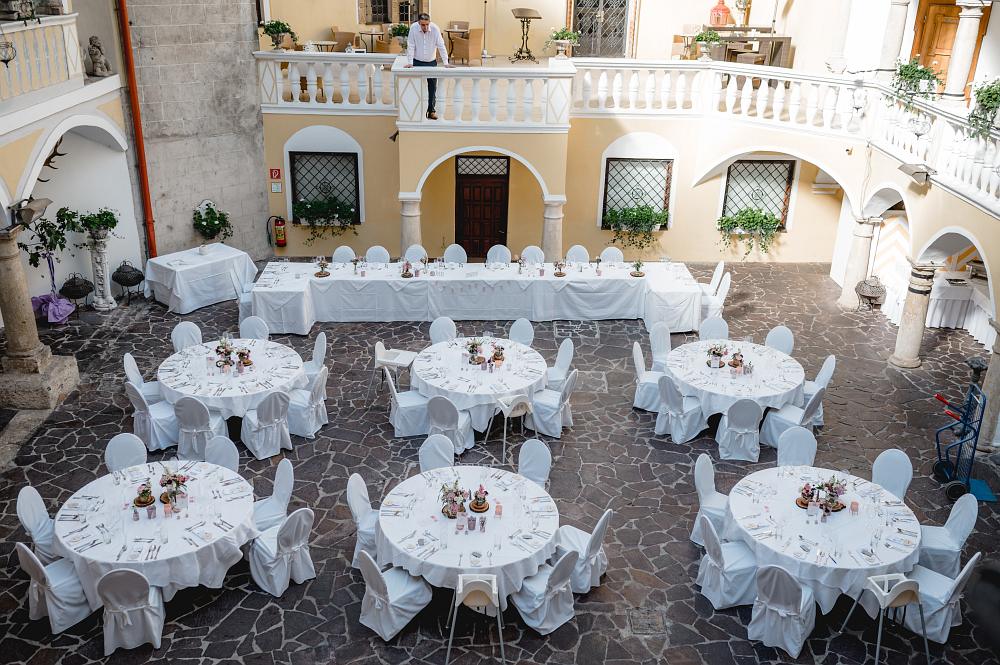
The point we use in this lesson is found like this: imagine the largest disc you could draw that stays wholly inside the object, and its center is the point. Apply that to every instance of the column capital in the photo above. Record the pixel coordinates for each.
(973, 4)
(409, 196)
(873, 221)
(554, 199)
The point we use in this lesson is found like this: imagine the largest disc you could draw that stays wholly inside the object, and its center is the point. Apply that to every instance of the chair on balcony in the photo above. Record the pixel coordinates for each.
(343, 39)
(468, 48)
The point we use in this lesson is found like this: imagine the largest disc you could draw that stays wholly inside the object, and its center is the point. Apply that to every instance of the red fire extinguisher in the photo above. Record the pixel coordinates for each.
(280, 240)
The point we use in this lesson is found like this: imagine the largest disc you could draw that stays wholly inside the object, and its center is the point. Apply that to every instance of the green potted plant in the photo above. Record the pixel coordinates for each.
(562, 38)
(911, 80)
(634, 226)
(637, 268)
(277, 31)
(99, 224)
(48, 239)
(984, 114)
(401, 32)
(705, 39)
(751, 226)
(211, 222)
(324, 216)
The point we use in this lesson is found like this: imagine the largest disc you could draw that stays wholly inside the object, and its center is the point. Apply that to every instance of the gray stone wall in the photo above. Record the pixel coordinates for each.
(201, 117)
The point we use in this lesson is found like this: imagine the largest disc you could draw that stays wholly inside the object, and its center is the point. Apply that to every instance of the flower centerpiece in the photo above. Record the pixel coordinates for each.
(479, 503)
(637, 269)
(747, 367)
(520, 264)
(498, 355)
(560, 267)
(474, 346)
(736, 360)
(716, 353)
(173, 484)
(224, 354)
(145, 496)
(323, 264)
(453, 499)
(407, 270)
(827, 493)
(356, 260)
(243, 356)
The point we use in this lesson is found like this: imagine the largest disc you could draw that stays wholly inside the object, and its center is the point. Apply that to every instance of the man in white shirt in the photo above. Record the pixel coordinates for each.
(423, 45)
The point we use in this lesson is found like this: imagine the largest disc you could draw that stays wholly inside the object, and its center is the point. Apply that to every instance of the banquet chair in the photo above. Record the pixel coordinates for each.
(555, 375)
(612, 255)
(659, 345)
(365, 518)
(35, 519)
(307, 408)
(647, 392)
(727, 571)
(133, 610)
(270, 511)
(713, 328)
(407, 410)
(533, 254)
(713, 285)
(498, 254)
(780, 338)
(941, 546)
(738, 436)
(712, 504)
(318, 360)
(265, 429)
(124, 450)
(522, 332)
(436, 452)
(442, 330)
(940, 599)
(578, 254)
(517, 406)
(246, 301)
(551, 410)
(392, 598)
(185, 334)
(343, 254)
(796, 447)
(415, 253)
(455, 254)
(778, 420)
(534, 461)
(377, 254)
(882, 593)
(55, 591)
(443, 417)
(545, 600)
(784, 613)
(156, 424)
(280, 555)
(893, 470)
(679, 416)
(479, 593)
(195, 426)
(254, 327)
(394, 360)
(593, 562)
(822, 380)
(712, 305)
(222, 451)
(149, 389)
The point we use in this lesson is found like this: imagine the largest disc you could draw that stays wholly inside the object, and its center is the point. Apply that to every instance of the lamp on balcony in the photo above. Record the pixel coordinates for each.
(7, 50)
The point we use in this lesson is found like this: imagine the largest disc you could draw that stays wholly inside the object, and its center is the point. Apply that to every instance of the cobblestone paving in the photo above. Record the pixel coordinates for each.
(647, 610)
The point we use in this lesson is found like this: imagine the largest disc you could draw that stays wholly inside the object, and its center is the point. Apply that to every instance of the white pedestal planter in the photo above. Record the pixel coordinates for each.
(103, 300)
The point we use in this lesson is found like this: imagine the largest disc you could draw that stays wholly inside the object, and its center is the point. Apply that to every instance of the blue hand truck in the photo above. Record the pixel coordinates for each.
(956, 445)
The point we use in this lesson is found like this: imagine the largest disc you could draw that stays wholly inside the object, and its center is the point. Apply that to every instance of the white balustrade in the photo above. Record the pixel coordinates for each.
(337, 82)
(48, 60)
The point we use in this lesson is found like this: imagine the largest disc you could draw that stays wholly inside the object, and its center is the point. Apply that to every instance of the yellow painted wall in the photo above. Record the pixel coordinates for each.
(14, 156)
(113, 110)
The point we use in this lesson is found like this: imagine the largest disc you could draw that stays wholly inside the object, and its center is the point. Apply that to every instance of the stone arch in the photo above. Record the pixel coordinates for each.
(481, 148)
(323, 138)
(949, 241)
(884, 196)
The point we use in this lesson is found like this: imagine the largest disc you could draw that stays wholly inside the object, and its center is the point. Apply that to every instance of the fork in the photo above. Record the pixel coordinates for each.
(121, 552)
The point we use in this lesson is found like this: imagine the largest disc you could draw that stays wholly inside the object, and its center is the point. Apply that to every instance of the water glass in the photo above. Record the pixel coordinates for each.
(164, 536)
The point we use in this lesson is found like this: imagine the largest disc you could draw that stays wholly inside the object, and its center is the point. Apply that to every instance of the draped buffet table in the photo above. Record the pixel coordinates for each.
(187, 280)
(966, 306)
(290, 299)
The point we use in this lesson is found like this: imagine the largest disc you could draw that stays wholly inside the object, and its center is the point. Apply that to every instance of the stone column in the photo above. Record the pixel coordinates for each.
(840, 20)
(552, 223)
(963, 49)
(894, 29)
(991, 386)
(857, 260)
(911, 324)
(103, 300)
(409, 221)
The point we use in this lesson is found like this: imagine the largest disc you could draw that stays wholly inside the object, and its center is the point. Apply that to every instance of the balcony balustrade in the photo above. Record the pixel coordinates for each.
(48, 61)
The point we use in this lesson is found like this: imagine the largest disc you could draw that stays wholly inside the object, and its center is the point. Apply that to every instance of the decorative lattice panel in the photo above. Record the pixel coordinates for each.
(482, 165)
(320, 175)
(762, 184)
(635, 182)
(377, 11)
(603, 27)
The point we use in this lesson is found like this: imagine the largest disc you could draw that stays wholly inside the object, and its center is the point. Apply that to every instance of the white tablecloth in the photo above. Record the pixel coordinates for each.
(188, 280)
(290, 299)
(754, 523)
(192, 556)
(451, 552)
(777, 378)
(441, 370)
(966, 306)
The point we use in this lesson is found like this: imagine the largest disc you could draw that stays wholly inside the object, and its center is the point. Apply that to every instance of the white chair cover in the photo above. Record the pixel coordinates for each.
(195, 426)
(150, 390)
(893, 470)
(711, 306)
(343, 254)
(377, 254)
(593, 562)
(245, 305)
(407, 410)
(281, 554)
(365, 518)
(796, 447)
(822, 381)
(713, 286)
(155, 424)
(391, 598)
(659, 345)
(784, 613)
(711, 504)
(532, 254)
(780, 338)
(36, 521)
(436, 452)
(578, 254)
(713, 328)
(133, 610)
(941, 546)
(185, 334)
(318, 360)
(534, 461)
(555, 375)
(124, 450)
(254, 327)
(647, 392)
(545, 600)
(679, 416)
(55, 591)
(522, 332)
(455, 254)
(498, 254)
(612, 255)
(445, 418)
(307, 408)
(222, 451)
(442, 330)
(727, 570)
(271, 511)
(551, 410)
(777, 421)
(737, 436)
(940, 597)
(265, 429)
(415, 253)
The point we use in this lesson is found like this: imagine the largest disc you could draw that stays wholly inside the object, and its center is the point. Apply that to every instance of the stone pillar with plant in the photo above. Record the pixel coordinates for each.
(752, 227)
(98, 225)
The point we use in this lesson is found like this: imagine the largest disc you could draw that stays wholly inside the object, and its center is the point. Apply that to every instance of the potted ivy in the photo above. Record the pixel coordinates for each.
(753, 227)
(401, 32)
(211, 223)
(277, 31)
(324, 216)
(984, 114)
(635, 226)
(911, 80)
(705, 39)
(98, 225)
(563, 38)
(47, 240)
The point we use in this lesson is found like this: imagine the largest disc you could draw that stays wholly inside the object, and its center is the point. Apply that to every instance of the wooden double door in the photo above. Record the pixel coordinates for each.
(482, 192)
(934, 35)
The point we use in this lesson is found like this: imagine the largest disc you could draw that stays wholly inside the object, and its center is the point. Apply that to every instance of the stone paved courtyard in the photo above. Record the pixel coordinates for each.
(647, 610)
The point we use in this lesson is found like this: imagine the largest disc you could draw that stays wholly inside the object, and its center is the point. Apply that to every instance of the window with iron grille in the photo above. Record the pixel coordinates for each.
(764, 184)
(323, 175)
(629, 183)
(376, 11)
(483, 165)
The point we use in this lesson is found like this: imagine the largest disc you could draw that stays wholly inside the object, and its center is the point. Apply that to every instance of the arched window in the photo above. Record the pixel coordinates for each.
(323, 163)
(636, 170)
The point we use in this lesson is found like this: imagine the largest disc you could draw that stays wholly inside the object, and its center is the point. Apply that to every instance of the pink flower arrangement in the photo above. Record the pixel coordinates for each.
(453, 497)
(480, 494)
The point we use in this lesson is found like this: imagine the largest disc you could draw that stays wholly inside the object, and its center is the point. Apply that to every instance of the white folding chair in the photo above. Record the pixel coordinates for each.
(940, 599)
(522, 332)
(133, 610)
(713, 286)
(442, 330)
(593, 562)
(498, 254)
(941, 546)
(124, 450)
(727, 571)
(893, 470)
(822, 381)
(555, 375)
(479, 593)
(149, 389)
(415, 253)
(455, 254)
(377, 254)
(395, 360)
(407, 410)
(254, 327)
(265, 429)
(612, 255)
(891, 592)
(343, 254)
(780, 338)
(578, 254)
(534, 461)
(777, 421)
(712, 504)
(318, 360)
(796, 447)
(784, 613)
(270, 511)
(365, 517)
(712, 306)
(659, 345)
(551, 410)
(737, 435)
(280, 555)
(436, 452)
(222, 451)
(55, 591)
(185, 334)
(307, 408)
(36, 521)
(518, 406)
(679, 416)
(392, 598)
(445, 418)
(532, 254)
(545, 600)
(647, 391)
(195, 426)
(156, 423)
(713, 328)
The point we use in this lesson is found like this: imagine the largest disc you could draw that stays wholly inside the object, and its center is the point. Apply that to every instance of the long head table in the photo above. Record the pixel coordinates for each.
(290, 298)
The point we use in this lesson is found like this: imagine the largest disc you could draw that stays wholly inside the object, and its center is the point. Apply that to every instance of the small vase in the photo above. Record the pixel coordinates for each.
(277, 41)
(561, 46)
(704, 54)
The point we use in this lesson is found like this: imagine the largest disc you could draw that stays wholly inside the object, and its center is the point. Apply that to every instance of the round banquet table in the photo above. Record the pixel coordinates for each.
(526, 531)
(777, 378)
(192, 373)
(441, 370)
(828, 557)
(201, 545)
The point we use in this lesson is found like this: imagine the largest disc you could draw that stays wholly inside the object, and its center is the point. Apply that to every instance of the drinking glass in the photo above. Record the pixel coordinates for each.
(164, 536)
